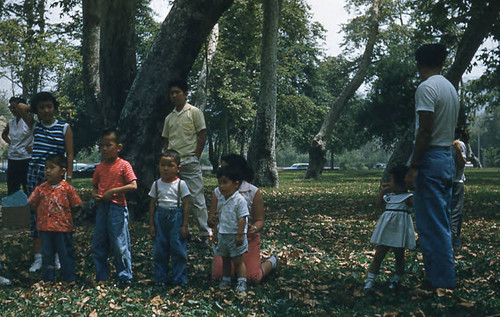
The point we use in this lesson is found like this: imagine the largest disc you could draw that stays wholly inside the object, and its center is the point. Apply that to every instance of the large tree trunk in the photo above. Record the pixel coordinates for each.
(117, 56)
(262, 152)
(319, 144)
(483, 17)
(172, 55)
(200, 99)
(90, 52)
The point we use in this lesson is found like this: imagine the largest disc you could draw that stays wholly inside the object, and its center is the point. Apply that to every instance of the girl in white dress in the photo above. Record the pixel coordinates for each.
(394, 228)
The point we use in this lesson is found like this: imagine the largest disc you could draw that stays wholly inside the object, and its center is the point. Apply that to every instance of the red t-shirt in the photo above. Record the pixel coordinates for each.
(54, 205)
(112, 175)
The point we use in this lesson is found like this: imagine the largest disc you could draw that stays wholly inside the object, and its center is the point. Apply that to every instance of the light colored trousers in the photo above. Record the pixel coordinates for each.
(191, 173)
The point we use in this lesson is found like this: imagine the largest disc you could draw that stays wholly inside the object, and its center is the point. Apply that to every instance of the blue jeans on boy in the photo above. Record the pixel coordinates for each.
(61, 243)
(169, 245)
(111, 232)
(432, 203)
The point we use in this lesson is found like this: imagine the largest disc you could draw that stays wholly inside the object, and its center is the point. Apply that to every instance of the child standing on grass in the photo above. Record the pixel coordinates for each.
(55, 200)
(232, 241)
(51, 137)
(394, 228)
(113, 178)
(168, 221)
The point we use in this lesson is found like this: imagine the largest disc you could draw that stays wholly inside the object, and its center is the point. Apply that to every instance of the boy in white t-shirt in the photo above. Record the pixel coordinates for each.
(168, 221)
(232, 242)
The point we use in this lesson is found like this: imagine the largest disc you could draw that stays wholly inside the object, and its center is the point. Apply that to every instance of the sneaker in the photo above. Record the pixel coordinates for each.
(274, 262)
(57, 264)
(241, 288)
(37, 264)
(225, 284)
(4, 281)
(368, 285)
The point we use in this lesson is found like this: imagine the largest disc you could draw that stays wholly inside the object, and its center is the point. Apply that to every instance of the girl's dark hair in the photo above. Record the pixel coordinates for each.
(41, 97)
(398, 175)
(58, 159)
(16, 100)
(230, 172)
(239, 162)
(180, 83)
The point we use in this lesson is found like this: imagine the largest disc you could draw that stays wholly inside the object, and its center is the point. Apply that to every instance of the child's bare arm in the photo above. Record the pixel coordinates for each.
(241, 230)
(212, 212)
(95, 194)
(379, 203)
(68, 145)
(152, 207)
(185, 214)
(76, 211)
(130, 187)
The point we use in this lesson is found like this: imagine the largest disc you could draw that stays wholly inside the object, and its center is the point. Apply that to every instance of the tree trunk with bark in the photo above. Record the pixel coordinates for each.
(262, 151)
(319, 144)
(172, 55)
(90, 52)
(117, 56)
(200, 99)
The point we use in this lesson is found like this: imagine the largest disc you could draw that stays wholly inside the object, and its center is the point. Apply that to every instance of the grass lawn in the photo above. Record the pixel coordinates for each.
(319, 229)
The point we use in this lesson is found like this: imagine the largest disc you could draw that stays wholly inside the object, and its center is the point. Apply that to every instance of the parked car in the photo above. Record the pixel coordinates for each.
(379, 166)
(86, 171)
(468, 164)
(296, 166)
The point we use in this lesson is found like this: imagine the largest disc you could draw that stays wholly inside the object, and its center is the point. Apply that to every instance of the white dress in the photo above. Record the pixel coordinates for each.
(395, 227)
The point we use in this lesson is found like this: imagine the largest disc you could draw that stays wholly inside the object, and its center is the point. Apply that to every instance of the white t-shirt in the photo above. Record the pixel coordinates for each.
(437, 95)
(168, 193)
(21, 136)
(248, 192)
(230, 210)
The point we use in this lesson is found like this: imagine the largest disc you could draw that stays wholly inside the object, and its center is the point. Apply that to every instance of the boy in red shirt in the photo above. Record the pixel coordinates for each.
(54, 201)
(113, 178)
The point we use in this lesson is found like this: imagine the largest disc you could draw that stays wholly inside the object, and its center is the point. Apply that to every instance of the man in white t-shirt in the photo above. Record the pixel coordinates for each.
(432, 167)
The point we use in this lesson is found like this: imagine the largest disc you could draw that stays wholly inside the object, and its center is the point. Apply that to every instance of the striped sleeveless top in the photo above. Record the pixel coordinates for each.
(49, 140)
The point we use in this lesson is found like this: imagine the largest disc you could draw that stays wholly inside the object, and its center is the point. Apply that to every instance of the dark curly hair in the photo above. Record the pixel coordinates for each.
(41, 97)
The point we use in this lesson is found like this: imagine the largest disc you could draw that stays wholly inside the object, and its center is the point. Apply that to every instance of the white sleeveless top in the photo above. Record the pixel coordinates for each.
(21, 136)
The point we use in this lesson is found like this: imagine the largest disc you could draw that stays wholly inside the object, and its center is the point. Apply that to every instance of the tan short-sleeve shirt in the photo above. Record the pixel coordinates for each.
(181, 129)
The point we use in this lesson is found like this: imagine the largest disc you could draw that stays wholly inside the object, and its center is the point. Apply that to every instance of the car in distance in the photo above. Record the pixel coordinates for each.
(379, 166)
(296, 167)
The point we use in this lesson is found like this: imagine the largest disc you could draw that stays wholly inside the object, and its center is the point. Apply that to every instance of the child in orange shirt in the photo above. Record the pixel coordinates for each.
(55, 200)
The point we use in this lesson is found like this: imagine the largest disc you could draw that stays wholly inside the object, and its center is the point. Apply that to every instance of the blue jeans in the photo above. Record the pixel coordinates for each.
(169, 245)
(62, 244)
(111, 232)
(432, 203)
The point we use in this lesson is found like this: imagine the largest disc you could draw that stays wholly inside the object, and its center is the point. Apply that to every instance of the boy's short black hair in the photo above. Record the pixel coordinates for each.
(237, 161)
(41, 97)
(57, 159)
(431, 55)
(230, 172)
(398, 174)
(181, 83)
(111, 131)
(17, 100)
(173, 154)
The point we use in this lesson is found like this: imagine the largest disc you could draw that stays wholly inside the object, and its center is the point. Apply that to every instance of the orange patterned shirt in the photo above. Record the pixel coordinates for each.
(53, 206)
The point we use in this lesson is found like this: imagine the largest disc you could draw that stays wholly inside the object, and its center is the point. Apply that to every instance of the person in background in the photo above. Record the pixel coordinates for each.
(459, 152)
(18, 134)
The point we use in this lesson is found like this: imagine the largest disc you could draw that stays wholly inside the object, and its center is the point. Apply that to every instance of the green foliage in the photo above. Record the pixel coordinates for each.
(321, 232)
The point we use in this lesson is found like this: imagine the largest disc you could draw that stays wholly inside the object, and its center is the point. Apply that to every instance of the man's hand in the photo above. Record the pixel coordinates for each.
(152, 230)
(96, 196)
(184, 231)
(411, 177)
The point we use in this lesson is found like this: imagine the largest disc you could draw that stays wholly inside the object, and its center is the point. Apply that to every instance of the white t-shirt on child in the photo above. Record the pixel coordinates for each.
(230, 210)
(167, 193)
